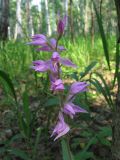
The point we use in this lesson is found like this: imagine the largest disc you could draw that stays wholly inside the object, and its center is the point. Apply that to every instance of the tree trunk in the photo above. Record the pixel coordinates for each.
(71, 21)
(18, 27)
(116, 114)
(116, 126)
(101, 2)
(86, 27)
(117, 3)
(4, 16)
(28, 16)
(40, 18)
(47, 18)
(30, 29)
(92, 25)
(66, 11)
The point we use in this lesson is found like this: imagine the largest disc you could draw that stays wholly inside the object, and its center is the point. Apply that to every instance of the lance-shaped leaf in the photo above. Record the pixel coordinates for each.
(102, 33)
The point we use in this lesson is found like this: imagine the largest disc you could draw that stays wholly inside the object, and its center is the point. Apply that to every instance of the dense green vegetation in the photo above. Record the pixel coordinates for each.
(16, 57)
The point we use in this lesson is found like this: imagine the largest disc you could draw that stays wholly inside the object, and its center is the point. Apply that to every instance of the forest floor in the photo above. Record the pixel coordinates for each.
(97, 125)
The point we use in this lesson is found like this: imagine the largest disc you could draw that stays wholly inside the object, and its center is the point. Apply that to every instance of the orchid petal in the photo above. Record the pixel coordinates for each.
(61, 128)
(53, 42)
(63, 133)
(45, 48)
(61, 48)
(38, 39)
(78, 87)
(78, 109)
(55, 57)
(67, 62)
(40, 66)
(71, 109)
(39, 36)
(68, 108)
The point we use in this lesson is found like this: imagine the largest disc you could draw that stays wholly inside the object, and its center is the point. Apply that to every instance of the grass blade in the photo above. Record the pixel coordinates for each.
(103, 37)
(88, 69)
(107, 89)
(19, 153)
(100, 89)
(26, 108)
(7, 79)
(117, 63)
(36, 143)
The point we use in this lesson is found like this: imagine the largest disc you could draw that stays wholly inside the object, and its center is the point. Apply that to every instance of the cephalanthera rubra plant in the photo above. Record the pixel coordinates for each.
(53, 67)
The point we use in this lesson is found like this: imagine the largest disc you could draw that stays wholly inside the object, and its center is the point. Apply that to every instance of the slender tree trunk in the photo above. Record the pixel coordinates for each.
(116, 114)
(86, 27)
(40, 17)
(101, 2)
(71, 20)
(66, 11)
(18, 27)
(81, 18)
(4, 16)
(9, 33)
(92, 25)
(116, 130)
(117, 4)
(29, 18)
(47, 18)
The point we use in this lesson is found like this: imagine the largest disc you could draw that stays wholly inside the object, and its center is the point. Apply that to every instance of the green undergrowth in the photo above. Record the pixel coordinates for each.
(16, 57)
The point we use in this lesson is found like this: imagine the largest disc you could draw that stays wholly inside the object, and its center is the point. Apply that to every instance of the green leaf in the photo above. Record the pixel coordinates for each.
(13, 139)
(105, 141)
(90, 142)
(36, 143)
(26, 108)
(7, 158)
(54, 101)
(67, 155)
(100, 89)
(74, 75)
(84, 156)
(88, 69)
(19, 153)
(22, 125)
(107, 89)
(7, 79)
(105, 132)
(2, 150)
(103, 37)
(117, 63)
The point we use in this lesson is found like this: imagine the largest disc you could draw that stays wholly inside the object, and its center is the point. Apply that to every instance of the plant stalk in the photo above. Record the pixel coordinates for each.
(67, 155)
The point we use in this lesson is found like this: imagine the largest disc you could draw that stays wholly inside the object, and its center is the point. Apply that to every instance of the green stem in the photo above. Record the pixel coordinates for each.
(67, 155)
(36, 143)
